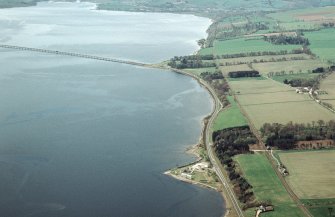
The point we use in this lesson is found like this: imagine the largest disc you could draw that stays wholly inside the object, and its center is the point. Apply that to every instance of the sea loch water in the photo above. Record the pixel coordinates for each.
(85, 138)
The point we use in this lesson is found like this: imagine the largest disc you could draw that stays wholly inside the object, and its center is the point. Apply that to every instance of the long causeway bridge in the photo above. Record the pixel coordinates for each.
(86, 56)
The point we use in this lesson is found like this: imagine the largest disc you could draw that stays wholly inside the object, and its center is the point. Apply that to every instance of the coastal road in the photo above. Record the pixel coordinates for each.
(207, 140)
(211, 155)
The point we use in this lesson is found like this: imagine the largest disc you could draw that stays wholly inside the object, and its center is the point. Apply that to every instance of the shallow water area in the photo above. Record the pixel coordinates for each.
(90, 138)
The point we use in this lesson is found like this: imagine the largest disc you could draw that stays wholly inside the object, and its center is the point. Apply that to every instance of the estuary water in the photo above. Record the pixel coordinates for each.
(86, 138)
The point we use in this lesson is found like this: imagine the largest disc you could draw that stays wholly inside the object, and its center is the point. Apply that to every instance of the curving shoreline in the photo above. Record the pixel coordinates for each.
(217, 106)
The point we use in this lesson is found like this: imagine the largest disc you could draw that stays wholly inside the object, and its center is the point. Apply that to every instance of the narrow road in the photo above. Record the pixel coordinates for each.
(207, 139)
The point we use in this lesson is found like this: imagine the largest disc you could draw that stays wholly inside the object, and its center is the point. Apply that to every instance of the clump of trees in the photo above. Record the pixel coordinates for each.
(219, 84)
(312, 82)
(287, 39)
(193, 57)
(191, 61)
(238, 30)
(221, 88)
(319, 70)
(228, 143)
(328, 105)
(328, 25)
(232, 141)
(208, 76)
(285, 136)
(241, 74)
(301, 82)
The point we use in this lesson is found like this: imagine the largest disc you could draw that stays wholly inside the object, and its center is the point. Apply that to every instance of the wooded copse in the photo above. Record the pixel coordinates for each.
(192, 61)
(301, 82)
(219, 84)
(287, 39)
(227, 32)
(242, 74)
(208, 76)
(312, 82)
(285, 136)
(228, 143)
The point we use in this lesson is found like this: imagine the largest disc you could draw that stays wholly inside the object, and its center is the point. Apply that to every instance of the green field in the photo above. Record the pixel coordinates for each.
(306, 14)
(323, 43)
(312, 173)
(229, 117)
(320, 208)
(281, 78)
(321, 211)
(243, 45)
(226, 69)
(267, 101)
(266, 186)
(328, 85)
(252, 59)
(298, 66)
(247, 78)
(298, 25)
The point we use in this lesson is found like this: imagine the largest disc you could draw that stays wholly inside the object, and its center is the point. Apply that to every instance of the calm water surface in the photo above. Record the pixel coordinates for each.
(83, 138)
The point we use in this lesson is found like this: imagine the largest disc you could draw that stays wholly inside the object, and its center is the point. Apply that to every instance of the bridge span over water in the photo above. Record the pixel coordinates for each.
(79, 55)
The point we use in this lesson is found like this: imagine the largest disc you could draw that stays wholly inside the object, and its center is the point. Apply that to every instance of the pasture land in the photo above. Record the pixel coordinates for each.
(321, 14)
(267, 101)
(281, 78)
(315, 14)
(328, 85)
(229, 117)
(322, 43)
(270, 58)
(244, 45)
(297, 66)
(247, 78)
(298, 25)
(320, 207)
(311, 173)
(266, 186)
(322, 211)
